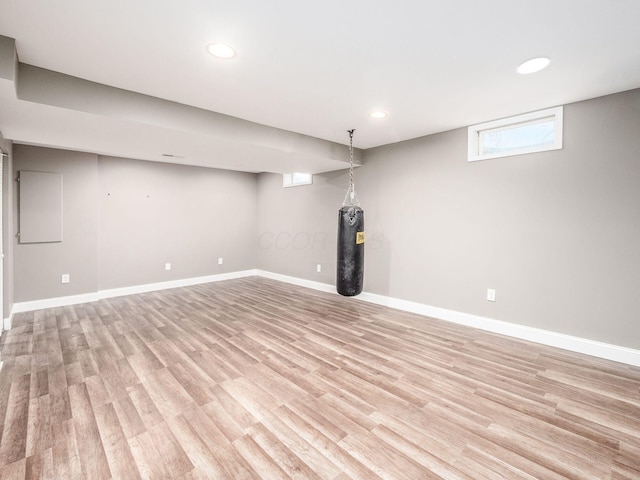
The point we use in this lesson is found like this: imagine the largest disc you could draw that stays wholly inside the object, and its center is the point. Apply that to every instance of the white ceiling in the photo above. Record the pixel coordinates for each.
(316, 68)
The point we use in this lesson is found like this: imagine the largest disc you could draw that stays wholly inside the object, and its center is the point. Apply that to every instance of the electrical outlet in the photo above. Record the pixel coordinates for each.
(491, 295)
(167, 266)
(219, 260)
(65, 278)
(318, 268)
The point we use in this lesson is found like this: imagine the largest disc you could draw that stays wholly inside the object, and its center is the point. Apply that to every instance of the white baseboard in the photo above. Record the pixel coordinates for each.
(186, 282)
(120, 292)
(301, 282)
(54, 302)
(608, 351)
(567, 342)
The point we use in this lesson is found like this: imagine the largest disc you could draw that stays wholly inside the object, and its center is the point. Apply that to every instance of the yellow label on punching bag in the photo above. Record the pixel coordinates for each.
(359, 238)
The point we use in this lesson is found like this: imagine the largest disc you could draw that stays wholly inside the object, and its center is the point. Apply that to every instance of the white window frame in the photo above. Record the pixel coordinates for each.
(475, 132)
(288, 179)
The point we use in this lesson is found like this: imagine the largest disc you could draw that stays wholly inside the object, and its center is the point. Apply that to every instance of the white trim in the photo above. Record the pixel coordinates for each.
(474, 132)
(608, 351)
(55, 302)
(567, 342)
(185, 282)
(119, 292)
(301, 282)
(523, 332)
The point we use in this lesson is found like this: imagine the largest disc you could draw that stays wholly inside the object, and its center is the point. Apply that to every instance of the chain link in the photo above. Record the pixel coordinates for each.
(351, 187)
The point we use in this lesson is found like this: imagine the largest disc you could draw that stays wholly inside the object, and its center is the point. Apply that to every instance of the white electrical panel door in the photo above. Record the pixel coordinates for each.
(40, 207)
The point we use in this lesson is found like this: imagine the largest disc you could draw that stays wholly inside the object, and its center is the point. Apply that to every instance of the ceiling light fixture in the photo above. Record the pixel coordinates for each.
(221, 50)
(534, 65)
(378, 115)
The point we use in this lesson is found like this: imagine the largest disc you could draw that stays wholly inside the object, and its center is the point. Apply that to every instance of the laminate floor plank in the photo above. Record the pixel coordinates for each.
(259, 459)
(173, 456)
(145, 407)
(225, 422)
(197, 449)
(40, 466)
(257, 379)
(292, 431)
(385, 460)
(435, 467)
(14, 435)
(15, 471)
(66, 460)
(90, 447)
(288, 461)
(73, 373)
(148, 459)
(430, 440)
(309, 410)
(119, 456)
(130, 421)
(349, 466)
(39, 426)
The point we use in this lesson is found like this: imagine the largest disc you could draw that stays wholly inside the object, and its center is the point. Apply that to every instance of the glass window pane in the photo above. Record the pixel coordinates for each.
(528, 135)
(301, 178)
(296, 178)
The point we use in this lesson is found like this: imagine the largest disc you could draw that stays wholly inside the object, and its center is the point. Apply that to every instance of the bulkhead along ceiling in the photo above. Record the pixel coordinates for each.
(133, 78)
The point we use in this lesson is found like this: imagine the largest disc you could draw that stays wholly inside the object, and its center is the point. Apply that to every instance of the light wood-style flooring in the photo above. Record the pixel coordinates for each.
(256, 379)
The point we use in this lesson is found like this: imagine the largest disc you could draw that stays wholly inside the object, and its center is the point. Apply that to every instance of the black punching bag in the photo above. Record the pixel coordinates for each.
(350, 251)
(350, 274)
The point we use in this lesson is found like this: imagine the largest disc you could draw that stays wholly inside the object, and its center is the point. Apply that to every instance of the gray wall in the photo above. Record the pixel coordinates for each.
(555, 233)
(38, 266)
(8, 231)
(153, 213)
(124, 219)
(296, 228)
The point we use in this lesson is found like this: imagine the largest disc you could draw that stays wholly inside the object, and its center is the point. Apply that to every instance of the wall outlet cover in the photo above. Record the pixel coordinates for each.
(167, 266)
(65, 278)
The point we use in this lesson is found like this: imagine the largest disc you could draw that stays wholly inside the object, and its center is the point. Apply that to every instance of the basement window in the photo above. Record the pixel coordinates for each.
(296, 179)
(532, 132)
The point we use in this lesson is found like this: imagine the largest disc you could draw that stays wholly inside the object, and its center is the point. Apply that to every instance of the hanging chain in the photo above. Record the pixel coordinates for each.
(351, 189)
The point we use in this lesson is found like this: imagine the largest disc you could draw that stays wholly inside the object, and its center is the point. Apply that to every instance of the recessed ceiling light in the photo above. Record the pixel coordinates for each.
(221, 50)
(533, 65)
(378, 115)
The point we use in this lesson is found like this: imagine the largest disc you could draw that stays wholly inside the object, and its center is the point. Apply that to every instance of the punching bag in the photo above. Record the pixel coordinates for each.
(350, 274)
(350, 251)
